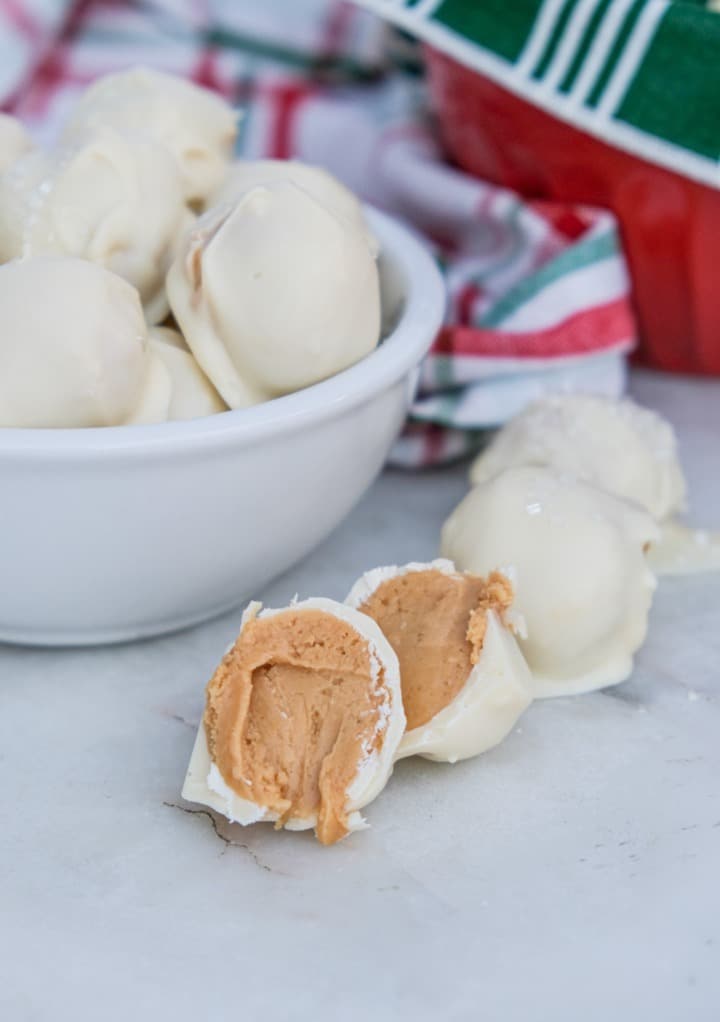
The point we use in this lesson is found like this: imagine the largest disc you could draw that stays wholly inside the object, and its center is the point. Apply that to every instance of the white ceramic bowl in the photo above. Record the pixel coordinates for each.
(113, 534)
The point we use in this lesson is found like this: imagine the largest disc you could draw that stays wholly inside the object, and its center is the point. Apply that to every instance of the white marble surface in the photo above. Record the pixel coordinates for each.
(571, 874)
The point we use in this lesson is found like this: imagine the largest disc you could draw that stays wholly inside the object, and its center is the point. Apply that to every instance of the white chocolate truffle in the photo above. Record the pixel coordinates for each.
(194, 124)
(303, 719)
(615, 445)
(115, 201)
(430, 614)
(14, 141)
(274, 293)
(576, 558)
(193, 395)
(323, 186)
(73, 348)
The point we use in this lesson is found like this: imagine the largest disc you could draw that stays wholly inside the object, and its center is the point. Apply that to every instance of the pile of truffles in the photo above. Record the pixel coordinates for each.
(544, 590)
(174, 282)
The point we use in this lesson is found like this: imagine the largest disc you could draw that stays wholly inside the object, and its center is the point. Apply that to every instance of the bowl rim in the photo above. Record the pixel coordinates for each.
(401, 350)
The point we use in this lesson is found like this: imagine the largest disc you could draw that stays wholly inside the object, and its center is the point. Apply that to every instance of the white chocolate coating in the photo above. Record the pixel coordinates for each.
(617, 446)
(575, 556)
(317, 182)
(194, 124)
(685, 551)
(274, 293)
(497, 692)
(73, 348)
(193, 396)
(205, 785)
(14, 141)
(115, 201)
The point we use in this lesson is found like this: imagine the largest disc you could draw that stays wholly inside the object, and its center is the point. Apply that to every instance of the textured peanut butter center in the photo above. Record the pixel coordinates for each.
(436, 624)
(292, 711)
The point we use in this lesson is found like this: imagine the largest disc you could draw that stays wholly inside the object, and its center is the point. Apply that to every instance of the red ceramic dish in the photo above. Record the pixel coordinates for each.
(670, 224)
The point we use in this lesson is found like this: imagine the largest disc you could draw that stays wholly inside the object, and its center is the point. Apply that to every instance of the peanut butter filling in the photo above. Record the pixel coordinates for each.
(292, 711)
(436, 624)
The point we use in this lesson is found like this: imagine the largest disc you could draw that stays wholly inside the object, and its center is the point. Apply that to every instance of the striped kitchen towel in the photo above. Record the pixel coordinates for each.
(538, 292)
(29, 30)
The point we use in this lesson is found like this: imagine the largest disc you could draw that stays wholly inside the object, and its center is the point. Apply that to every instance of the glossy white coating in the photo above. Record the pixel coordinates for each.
(682, 550)
(316, 181)
(114, 200)
(193, 396)
(498, 689)
(576, 558)
(194, 124)
(618, 446)
(273, 292)
(74, 350)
